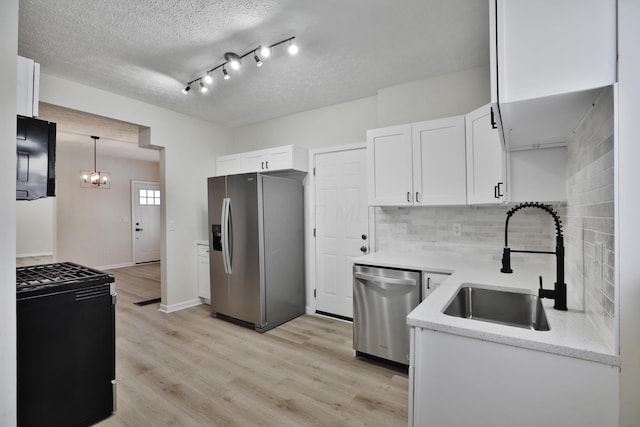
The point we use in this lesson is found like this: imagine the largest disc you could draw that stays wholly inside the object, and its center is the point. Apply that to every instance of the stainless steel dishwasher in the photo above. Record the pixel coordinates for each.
(382, 299)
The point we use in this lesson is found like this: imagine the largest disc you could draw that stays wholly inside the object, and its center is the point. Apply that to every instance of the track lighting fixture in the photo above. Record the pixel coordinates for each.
(265, 51)
(234, 60)
(293, 48)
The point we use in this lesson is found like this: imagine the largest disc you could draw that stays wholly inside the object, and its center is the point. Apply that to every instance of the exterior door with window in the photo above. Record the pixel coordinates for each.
(146, 221)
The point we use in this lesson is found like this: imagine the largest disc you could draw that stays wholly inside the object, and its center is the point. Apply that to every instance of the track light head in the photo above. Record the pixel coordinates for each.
(233, 60)
(265, 51)
(258, 61)
(203, 88)
(208, 79)
(186, 89)
(225, 74)
(293, 48)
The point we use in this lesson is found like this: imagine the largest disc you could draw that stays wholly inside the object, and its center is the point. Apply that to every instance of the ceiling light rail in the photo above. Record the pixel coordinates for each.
(234, 61)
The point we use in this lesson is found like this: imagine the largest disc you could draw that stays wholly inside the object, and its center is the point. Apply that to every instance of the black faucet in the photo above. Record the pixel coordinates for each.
(559, 292)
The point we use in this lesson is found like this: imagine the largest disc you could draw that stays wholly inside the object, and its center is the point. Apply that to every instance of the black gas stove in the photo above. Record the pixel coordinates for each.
(62, 276)
(66, 345)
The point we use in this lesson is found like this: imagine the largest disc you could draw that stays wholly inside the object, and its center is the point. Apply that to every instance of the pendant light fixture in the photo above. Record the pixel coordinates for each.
(95, 178)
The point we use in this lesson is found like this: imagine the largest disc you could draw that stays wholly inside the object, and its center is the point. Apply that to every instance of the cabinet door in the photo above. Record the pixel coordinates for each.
(431, 281)
(279, 158)
(254, 161)
(390, 166)
(25, 81)
(485, 159)
(228, 165)
(439, 169)
(204, 287)
(548, 47)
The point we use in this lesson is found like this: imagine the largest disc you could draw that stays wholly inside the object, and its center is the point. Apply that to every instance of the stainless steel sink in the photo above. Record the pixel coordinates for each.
(503, 307)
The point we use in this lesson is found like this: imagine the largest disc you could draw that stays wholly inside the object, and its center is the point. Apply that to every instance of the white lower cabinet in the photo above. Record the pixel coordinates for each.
(204, 288)
(461, 381)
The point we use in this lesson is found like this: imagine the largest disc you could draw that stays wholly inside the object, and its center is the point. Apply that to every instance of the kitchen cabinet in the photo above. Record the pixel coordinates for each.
(431, 281)
(544, 78)
(417, 164)
(288, 157)
(456, 380)
(204, 288)
(28, 87)
(486, 159)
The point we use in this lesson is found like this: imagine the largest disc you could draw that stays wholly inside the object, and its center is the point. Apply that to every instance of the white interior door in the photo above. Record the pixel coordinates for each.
(341, 214)
(146, 201)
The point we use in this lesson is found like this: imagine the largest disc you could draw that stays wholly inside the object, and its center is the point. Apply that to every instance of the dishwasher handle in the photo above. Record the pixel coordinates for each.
(385, 280)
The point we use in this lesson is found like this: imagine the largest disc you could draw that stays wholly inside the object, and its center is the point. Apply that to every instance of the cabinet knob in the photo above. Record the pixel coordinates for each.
(364, 237)
(363, 249)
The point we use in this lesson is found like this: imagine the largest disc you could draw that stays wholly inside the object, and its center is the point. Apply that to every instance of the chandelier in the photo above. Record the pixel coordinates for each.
(95, 178)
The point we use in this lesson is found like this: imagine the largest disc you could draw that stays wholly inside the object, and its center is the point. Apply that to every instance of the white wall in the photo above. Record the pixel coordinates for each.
(324, 127)
(35, 227)
(190, 146)
(441, 96)
(8, 53)
(628, 209)
(436, 97)
(94, 225)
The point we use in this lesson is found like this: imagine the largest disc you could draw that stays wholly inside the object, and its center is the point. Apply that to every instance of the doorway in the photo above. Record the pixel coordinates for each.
(341, 226)
(145, 228)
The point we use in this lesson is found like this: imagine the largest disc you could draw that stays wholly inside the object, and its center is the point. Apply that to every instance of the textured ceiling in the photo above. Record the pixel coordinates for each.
(149, 49)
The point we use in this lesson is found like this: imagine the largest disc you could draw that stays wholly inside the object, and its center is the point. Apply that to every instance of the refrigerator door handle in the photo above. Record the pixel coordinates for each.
(225, 234)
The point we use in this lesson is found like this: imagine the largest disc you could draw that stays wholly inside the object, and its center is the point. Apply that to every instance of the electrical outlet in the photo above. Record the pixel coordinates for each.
(598, 259)
(457, 230)
(401, 228)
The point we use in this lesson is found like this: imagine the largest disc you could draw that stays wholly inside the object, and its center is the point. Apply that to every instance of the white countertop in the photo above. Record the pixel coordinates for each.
(572, 333)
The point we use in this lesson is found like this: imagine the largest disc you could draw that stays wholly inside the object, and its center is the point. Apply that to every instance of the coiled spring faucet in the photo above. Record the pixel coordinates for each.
(559, 292)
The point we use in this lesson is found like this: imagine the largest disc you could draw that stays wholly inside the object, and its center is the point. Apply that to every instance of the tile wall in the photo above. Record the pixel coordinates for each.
(590, 214)
(482, 229)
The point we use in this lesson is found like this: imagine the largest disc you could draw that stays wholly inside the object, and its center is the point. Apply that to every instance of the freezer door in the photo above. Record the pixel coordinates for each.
(282, 224)
(219, 280)
(244, 280)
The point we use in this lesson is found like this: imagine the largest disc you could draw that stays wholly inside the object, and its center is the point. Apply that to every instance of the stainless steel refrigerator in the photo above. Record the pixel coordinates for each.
(256, 242)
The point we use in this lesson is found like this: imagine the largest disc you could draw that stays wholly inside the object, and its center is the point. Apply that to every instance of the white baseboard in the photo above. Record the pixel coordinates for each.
(34, 254)
(180, 306)
(114, 266)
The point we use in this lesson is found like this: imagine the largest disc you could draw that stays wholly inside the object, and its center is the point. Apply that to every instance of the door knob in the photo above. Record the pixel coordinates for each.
(363, 249)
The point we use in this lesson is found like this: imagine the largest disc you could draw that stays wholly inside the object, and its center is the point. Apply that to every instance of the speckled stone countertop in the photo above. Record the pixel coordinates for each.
(572, 334)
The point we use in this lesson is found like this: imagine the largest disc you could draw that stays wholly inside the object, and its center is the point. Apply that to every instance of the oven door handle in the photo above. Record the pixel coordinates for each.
(385, 280)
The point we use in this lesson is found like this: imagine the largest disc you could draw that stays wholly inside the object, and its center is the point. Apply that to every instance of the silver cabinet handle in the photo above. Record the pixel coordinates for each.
(385, 280)
(409, 196)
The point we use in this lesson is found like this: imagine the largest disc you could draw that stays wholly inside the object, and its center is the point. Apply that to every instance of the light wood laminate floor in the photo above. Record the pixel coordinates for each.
(189, 369)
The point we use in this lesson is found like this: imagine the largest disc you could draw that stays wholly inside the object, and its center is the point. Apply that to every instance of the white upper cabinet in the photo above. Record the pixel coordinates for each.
(486, 159)
(549, 60)
(28, 87)
(439, 169)
(417, 164)
(550, 47)
(288, 157)
(389, 166)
